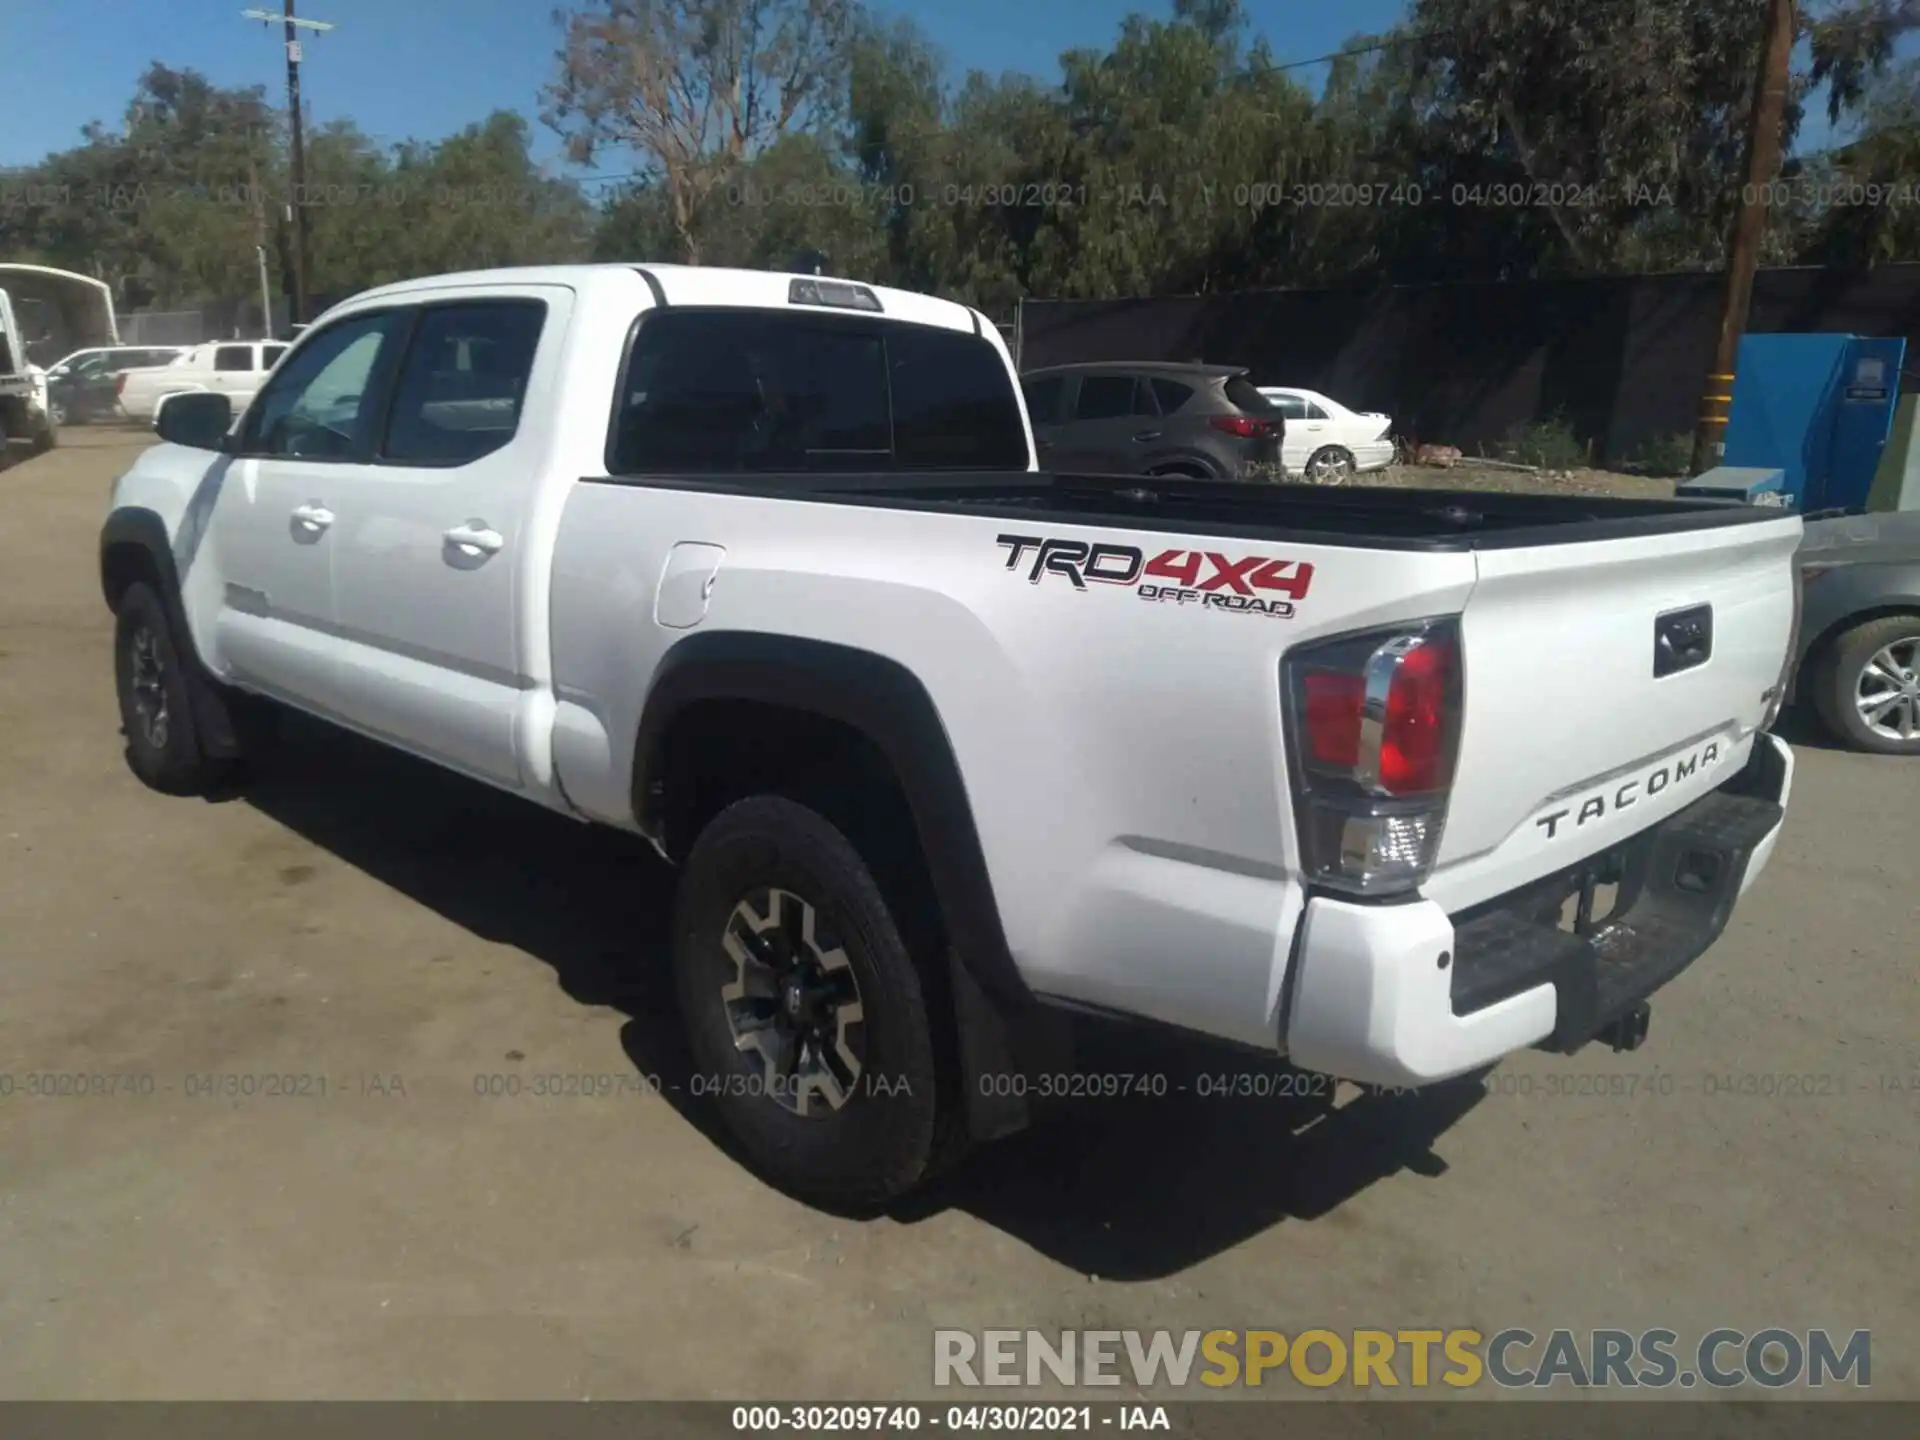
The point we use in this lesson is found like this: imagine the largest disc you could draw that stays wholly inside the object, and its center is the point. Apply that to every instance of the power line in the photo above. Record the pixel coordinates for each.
(1385, 43)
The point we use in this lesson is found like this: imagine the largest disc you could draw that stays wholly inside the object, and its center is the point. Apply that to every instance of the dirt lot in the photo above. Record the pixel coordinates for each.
(403, 939)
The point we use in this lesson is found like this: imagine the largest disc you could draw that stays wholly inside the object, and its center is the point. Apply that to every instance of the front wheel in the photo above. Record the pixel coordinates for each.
(1866, 686)
(805, 1014)
(156, 700)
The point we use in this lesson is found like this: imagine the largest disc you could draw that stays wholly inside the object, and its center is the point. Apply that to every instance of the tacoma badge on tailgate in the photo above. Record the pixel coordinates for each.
(1628, 792)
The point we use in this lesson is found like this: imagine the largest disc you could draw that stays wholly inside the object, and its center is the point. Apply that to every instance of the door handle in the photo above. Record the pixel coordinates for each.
(475, 538)
(313, 515)
(1146, 435)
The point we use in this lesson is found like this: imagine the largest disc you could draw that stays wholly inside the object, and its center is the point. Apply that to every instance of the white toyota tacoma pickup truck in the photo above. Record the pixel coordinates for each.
(761, 567)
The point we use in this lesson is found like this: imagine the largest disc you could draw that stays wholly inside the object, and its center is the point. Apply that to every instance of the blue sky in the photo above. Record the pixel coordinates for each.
(424, 68)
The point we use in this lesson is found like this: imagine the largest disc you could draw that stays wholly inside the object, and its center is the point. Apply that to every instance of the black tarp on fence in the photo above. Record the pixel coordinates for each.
(1623, 359)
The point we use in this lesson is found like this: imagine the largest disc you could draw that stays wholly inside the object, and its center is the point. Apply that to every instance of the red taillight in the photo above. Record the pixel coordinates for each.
(1414, 743)
(120, 384)
(1333, 717)
(1375, 720)
(1241, 425)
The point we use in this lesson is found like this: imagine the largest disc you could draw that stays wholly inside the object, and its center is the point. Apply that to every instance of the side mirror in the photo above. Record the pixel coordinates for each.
(199, 419)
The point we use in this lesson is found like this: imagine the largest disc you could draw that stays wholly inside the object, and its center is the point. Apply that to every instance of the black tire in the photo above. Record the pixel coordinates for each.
(880, 1142)
(1838, 673)
(1182, 472)
(156, 700)
(1338, 457)
(47, 438)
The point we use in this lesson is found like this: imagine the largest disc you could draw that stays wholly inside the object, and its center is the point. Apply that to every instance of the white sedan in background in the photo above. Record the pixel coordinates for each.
(1327, 442)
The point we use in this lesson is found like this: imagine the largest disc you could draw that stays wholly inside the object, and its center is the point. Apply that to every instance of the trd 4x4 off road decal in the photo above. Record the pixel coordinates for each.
(1252, 585)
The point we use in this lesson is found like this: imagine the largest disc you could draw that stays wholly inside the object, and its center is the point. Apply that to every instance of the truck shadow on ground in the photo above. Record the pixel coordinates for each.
(1211, 1147)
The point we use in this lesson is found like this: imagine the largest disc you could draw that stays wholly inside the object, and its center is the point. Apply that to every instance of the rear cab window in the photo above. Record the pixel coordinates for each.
(233, 357)
(715, 391)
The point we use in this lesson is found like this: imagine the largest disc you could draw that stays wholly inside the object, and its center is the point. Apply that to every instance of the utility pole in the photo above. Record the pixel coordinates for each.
(1764, 123)
(260, 248)
(291, 26)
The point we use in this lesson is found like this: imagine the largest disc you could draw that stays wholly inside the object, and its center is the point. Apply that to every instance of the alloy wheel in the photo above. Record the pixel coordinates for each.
(1330, 467)
(1887, 690)
(149, 683)
(794, 1002)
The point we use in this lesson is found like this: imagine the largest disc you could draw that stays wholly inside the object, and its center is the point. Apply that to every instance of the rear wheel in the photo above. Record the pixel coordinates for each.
(1866, 686)
(805, 1013)
(1331, 465)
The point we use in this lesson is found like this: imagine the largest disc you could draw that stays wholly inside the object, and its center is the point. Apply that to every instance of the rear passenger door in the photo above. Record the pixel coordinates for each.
(438, 572)
(1296, 444)
(1114, 429)
(234, 373)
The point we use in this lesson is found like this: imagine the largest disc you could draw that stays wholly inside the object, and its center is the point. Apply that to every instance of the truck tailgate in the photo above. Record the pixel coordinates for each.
(1609, 683)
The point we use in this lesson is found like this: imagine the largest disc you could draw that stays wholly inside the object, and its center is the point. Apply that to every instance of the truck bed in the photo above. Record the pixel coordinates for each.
(1373, 517)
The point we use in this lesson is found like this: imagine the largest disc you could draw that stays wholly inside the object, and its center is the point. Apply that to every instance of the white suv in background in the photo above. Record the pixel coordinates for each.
(236, 368)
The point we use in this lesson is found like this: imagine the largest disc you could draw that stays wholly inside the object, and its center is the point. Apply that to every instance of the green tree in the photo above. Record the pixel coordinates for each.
(695, 89)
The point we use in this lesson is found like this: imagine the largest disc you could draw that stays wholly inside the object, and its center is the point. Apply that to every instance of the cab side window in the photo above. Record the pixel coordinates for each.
(462, 382)
(1043, 398)
(1110, 397)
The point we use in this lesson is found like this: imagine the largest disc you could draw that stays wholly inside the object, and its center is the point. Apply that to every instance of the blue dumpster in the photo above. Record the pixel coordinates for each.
(1819, 409)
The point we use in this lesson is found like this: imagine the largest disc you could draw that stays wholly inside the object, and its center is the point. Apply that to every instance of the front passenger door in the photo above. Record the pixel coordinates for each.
(1044, 398)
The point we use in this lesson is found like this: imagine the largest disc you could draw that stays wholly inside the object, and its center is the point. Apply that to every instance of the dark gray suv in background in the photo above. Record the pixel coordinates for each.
(1207, 422)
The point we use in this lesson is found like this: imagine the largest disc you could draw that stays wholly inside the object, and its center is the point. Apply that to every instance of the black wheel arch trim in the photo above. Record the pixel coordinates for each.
(886, 702)
(1854, 595)
(137, 527)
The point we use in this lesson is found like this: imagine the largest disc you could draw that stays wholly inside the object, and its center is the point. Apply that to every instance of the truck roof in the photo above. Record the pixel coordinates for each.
(688, 285)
